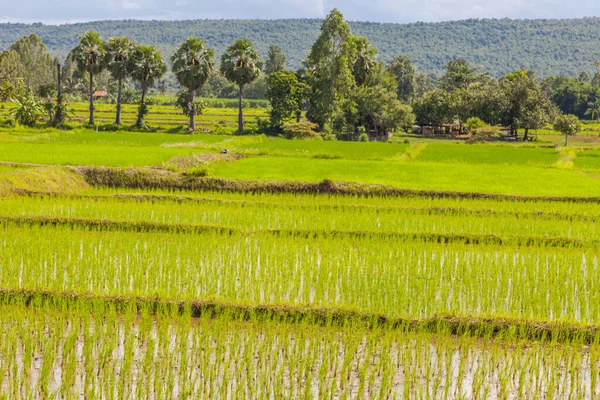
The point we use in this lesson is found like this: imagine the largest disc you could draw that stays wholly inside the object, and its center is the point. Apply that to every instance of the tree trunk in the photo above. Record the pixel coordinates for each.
(566, 139)
(91, 99)
(58, 116)
(526, 135)
(241, 112)
(119, 93)
(140, 119)
(192, 111)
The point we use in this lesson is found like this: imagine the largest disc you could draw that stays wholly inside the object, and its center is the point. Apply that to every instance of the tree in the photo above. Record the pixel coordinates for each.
(436, 107)
(404, 72)
(218, 86)
(118, 54)
(10, 65)
(275, 60)
(567, 125)
(90, 57)
(459, 75)
(363, 60)
(192, 65)
(241, 65)
(525, 104)
(285, 93)
(593, 110)
(37, 67)
(329, 68)
(380, 111)
(147, 66)
(424, 83)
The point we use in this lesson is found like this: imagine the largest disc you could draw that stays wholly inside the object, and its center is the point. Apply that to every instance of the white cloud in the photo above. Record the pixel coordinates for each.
(370, 10)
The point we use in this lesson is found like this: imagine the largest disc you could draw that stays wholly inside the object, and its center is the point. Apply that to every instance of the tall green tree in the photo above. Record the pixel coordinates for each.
(118, 54)
(459, 75)
(380, 111)
(363, 60)
(90, 56)
(526, 106)
(404, 72)
(193, 64)
(10, 82)
(147, 66)
(241, 65)
(10, 65)
(275, 60)
(38, 67)
(285, 93)
(329, 67)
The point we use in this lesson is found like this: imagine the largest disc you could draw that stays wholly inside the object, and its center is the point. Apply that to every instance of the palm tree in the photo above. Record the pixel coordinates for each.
(594, 110)
(192, 65)
(241, 65)
(89, 55)
(147, 66)
(119, 51)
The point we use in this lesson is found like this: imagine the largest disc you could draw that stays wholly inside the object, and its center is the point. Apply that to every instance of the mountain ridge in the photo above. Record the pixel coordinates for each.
(497, 46)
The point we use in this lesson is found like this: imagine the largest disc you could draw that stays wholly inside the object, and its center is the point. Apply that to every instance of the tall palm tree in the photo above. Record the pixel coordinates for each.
(594, 110)
(192, 65)
(89, 55)
(147, 65)
(118, 53)
(241, 65)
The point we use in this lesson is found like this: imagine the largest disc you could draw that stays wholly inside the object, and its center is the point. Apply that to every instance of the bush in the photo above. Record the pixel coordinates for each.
(196, 172)
(300, 130)
(485, 134)
(363, 138)
(223, 130)
(474, 123)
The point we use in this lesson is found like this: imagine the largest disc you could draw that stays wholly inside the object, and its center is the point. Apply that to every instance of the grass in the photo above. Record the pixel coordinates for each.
(486, 154)
(485, 178)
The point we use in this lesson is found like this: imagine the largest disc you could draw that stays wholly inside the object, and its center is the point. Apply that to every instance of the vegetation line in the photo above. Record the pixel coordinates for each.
(481, 326)
(148, 178)
(150, 226)
(145, 197)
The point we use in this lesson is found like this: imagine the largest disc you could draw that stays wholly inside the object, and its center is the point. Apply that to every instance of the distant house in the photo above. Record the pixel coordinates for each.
(100, 94)
(454, 129)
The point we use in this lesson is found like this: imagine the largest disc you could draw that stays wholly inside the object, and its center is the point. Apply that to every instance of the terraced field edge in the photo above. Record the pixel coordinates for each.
(483, 326)
(155, 178)
(148, 226)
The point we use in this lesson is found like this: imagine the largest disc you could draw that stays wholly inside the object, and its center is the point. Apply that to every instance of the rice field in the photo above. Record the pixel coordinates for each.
(159, 116)
(95, 352)
(109, 292)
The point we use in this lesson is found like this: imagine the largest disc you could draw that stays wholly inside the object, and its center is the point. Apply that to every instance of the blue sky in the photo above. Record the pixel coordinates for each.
(62, 11)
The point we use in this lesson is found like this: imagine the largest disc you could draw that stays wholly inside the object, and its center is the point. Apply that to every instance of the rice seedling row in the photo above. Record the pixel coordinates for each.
(328, 217)
(94, 352)
(397, 278)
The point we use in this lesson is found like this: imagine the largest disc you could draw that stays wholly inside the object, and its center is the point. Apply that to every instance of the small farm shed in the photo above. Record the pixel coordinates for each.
(100, 94)
(454, 129)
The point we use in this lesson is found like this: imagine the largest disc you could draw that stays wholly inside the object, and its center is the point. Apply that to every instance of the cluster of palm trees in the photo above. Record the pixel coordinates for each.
(192, 65)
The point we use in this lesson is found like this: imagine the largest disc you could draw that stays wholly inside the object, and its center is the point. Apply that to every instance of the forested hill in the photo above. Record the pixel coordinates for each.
(549, 47)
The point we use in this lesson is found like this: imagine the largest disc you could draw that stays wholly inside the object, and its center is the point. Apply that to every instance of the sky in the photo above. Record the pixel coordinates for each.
(401, 11)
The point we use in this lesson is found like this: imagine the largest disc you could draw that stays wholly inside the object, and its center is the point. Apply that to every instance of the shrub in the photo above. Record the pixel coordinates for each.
(485, 134)
(363, 138)
(223, 130)
(196, 172)
(474, 123)
(300, 130)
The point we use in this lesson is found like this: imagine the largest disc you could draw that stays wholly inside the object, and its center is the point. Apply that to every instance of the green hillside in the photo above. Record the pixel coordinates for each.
(549, 47)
